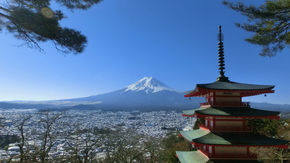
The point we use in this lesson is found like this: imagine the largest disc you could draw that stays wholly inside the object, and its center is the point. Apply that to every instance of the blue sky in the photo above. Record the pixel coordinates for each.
(173, 41)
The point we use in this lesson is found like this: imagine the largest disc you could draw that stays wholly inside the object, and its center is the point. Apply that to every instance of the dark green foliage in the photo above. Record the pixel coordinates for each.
(269, 22)
(268, 127)
(79, 4)
(198, 122)
(171, 144)
(34, 21)
(7, 139)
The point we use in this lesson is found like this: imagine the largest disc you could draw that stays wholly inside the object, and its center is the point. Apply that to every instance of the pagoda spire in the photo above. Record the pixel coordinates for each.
(221, 58)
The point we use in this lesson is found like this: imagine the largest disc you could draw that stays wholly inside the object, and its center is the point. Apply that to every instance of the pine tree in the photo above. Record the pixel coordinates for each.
(269, 22)
(34, 21)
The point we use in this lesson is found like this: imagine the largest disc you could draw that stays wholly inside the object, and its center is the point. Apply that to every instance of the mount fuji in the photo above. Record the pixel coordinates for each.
(147, 93)
(148, 85)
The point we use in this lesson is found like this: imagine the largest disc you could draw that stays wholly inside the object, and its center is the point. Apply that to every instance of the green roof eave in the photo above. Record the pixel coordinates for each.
(235, 111)
(238, 139)
(190, 112)
(191, 157)
(193, 134)
(229, 85)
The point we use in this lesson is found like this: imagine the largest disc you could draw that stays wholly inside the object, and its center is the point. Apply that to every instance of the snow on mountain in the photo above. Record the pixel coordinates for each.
(147, 93)
(148, 85)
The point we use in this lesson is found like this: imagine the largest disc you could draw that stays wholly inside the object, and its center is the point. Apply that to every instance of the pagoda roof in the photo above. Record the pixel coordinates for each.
(229, 85)
(191, 157)
(202, 89)
(193, 134)
(190, 112)
(230, 138)
(230, 111)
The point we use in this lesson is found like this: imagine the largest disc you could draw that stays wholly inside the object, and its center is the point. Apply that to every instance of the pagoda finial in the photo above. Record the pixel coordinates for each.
(221, 62)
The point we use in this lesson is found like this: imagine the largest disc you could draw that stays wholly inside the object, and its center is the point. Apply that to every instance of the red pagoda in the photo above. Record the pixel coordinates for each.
(223, 132)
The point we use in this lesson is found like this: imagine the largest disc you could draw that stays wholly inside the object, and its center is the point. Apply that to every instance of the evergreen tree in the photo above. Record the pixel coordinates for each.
(269, 22)
(34, 21)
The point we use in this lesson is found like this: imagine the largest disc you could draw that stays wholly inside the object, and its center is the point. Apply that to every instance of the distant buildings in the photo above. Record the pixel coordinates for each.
(150, 124)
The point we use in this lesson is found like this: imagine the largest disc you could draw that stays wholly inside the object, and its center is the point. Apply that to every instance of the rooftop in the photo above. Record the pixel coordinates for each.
(229, 85)
(229, 111)
(238, 139)
(228, 138)
(245, 89)
(191, 157)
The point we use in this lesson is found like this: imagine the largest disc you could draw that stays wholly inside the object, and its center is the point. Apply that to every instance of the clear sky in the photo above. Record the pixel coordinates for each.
(173, 41)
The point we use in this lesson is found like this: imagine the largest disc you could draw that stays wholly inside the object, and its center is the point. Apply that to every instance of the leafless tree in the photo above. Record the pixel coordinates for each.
(47, 122)
(271, 154)
(23, 139)
(82, 144)
(152, 148)
(124, 147)
(1, 121)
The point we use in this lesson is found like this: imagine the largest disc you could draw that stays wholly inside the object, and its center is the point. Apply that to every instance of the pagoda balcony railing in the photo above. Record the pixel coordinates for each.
(238, 104)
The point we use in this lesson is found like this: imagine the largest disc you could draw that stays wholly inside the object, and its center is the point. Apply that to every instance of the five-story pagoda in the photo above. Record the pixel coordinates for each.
(223, 132)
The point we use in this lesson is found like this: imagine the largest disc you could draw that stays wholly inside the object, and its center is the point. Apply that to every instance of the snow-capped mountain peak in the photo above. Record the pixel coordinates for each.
(148, 85)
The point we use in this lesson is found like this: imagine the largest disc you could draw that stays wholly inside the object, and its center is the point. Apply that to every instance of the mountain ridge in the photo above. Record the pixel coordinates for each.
(147, 92)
